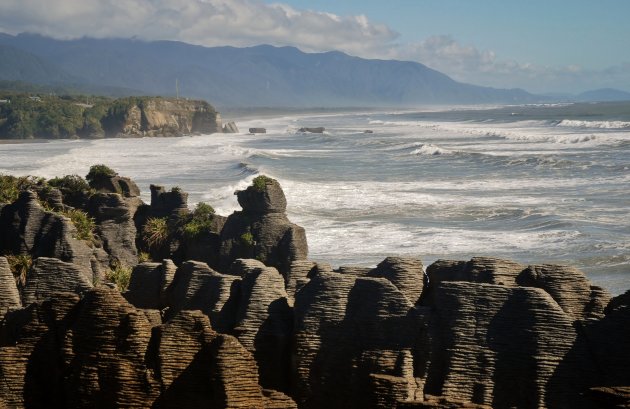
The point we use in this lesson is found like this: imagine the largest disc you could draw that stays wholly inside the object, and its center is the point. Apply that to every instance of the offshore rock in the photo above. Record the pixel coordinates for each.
(230, 127)
(262, 230)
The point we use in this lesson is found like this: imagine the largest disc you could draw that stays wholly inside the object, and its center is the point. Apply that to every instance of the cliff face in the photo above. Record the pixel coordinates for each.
(161, 117)
(164, 117)
(49, 117)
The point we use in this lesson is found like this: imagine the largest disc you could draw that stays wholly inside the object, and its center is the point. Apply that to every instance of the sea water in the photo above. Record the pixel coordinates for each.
(536, 183)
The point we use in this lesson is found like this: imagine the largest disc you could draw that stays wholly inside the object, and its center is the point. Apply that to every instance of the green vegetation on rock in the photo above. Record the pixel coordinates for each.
(73, 188)
(19, 264)
(11, 186)
(155, 232)
(99, 171)
(83, 223)
(247, 239)
(119, 275)
(199, 221)
(260, 182)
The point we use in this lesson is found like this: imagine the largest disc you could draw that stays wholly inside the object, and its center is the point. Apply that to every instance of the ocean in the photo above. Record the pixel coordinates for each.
(535, 183)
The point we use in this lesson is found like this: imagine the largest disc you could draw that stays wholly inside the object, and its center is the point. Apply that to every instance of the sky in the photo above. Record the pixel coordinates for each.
(550, 46)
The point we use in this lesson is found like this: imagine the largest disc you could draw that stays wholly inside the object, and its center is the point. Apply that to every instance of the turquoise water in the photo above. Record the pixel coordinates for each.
(531, 183)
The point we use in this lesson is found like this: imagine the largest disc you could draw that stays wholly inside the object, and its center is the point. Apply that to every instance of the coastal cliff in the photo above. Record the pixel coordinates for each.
(156, 305)
(45, 116)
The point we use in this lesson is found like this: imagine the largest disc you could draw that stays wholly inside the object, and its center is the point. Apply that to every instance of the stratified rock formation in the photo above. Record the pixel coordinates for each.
(160, 117)
(264, 327)
(27, 228)
(262, 230)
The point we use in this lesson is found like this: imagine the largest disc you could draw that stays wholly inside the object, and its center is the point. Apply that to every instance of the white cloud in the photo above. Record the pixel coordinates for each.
(203, 22)
(253, 22)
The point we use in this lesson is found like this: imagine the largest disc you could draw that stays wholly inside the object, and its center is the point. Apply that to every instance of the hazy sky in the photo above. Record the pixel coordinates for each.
(542, 46)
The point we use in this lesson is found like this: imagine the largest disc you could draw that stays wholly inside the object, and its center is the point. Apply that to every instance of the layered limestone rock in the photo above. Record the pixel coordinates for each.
(569, 287)
(354, 341)
(608, 339)
(101, 352)
(263, 322)
(407, 274)
(9, 294)
(197, 287)
(29, 229)
(104, 183)
(262, 230)
(161, 117)
(49, 276)
(149, 283)
(505, 347)
(115, 226)
(300, 273)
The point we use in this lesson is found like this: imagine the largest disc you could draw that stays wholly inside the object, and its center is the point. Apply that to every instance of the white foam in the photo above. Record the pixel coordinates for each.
(594, 124)
(431, 150)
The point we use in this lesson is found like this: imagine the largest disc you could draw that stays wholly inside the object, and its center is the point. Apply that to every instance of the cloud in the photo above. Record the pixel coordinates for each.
(467, 63)
(253, 22)
(202, 22)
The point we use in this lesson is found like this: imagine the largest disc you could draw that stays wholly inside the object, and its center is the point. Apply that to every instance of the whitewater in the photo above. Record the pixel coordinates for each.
(536, 184)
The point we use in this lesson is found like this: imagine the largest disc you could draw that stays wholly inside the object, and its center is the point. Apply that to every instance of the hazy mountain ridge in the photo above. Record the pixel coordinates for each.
(255, 76)
(260, 76)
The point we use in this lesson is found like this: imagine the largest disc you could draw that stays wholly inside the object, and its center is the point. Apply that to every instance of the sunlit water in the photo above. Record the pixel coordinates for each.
(534, 184)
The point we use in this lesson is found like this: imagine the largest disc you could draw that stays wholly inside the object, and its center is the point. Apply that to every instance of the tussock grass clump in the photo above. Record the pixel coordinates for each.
(83, 222)
(19, 264)
(155, 232)
(119, 275)
(143, 257)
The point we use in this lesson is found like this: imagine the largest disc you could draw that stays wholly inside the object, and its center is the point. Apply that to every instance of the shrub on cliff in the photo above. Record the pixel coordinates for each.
(11, 186)
(260, 182)
(199, 221)
(74, 188)
(98, 172)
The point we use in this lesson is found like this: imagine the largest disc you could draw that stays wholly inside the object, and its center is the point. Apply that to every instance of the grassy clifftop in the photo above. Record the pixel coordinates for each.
(24, 116)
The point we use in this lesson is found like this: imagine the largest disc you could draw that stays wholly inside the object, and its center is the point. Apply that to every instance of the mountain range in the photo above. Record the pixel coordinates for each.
(260, 76)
